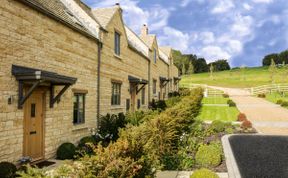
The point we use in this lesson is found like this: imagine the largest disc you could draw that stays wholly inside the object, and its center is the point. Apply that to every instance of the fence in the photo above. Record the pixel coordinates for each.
(269, 89)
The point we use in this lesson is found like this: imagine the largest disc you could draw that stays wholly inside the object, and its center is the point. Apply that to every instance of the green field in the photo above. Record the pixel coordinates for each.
(274, 97)
(215, 100)
(236, 78)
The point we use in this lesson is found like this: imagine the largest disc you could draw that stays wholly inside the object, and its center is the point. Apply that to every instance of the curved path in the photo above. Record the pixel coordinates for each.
(266, 117)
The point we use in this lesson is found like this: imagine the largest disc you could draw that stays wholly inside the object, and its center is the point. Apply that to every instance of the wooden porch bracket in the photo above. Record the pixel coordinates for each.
(55, 99)
(21, 96)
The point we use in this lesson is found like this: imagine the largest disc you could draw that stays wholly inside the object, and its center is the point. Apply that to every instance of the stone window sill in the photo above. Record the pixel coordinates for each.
(77, 127)
(117, 56)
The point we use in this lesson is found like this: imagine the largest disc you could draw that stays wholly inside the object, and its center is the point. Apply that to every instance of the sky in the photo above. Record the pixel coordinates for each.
(241, 31)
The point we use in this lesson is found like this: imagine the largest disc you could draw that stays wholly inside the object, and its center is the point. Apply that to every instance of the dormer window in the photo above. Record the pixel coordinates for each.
(155, 55)
(117, 43)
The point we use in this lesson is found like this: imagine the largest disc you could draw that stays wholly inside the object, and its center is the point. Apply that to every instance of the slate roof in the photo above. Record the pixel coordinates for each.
(163, 56)
(57, 10)
(135, 42)
(104, 15)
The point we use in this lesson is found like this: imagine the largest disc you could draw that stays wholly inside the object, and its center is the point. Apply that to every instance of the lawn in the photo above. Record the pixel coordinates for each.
(212, 111)
(236, 78)
(215, 100)
(223, 113)
(275, 96)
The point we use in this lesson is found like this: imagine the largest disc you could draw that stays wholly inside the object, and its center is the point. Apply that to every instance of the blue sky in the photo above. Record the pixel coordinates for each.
(242, 31)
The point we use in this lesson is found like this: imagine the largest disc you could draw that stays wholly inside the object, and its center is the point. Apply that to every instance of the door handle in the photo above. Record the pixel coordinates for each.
(33, 132)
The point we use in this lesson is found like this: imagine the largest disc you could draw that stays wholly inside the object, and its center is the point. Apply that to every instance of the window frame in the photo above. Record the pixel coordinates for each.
(117, 40)
(116, 102)
(77, 121)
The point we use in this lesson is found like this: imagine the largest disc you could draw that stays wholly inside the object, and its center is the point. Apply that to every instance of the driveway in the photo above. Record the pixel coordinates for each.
(266, 117)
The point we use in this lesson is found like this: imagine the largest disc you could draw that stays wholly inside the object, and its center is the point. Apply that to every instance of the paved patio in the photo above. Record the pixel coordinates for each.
(182, 174)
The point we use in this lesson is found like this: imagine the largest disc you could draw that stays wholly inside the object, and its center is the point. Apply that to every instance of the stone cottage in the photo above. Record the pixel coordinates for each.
(62, 65)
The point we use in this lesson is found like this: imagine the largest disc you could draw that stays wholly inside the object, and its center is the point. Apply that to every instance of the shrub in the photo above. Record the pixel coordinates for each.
(157, 105)
(246, 124)
(261, 95)
(109, 126)
(184, 91)
(172, 101)
(241, 117)
(284, 104)
(231, 103)
(225, 95)
(208, 156)
(66, 151)
(217, 126)
(229, 130)
(7, 170)
(135, 118)
(279, 102)
(88, 139)
(173, 94)
(204, 173)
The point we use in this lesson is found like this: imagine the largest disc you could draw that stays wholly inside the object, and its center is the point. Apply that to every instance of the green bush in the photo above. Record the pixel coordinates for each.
(204, 173)
(173, 94)
(218, 126)
(66, 151)
(172, 101)
(135, 118)
(229, 130)
(284, 104)
(184, 91)
(208, 156)
(88, 139)
(7, 170)
(110, 125)
(231, 103)
(279, 102)
(157, 105)
(225, 95)
(261, 95)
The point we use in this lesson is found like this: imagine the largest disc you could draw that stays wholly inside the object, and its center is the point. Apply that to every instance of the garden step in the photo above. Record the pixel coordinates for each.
(183, 174)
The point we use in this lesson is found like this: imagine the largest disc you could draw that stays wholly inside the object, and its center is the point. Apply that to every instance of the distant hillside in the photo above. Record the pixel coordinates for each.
(242, 78)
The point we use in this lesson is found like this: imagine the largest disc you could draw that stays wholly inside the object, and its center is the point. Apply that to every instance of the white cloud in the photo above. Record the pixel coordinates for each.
(263, 1)
(184, 3)
(223, 6)
(175, 38)
(247, 7)
(242, 25)
(207, 37)
(214, 52)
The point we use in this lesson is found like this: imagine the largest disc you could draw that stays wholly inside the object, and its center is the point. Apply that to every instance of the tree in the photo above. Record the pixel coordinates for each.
(191, 68)
(211, 71)
(183, 69)
(201, 65)
(268, 58)
(221, 65)
(272, 70)
(283, 56)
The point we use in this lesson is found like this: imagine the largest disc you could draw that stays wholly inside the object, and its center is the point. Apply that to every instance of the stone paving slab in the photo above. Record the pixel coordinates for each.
(182, 174)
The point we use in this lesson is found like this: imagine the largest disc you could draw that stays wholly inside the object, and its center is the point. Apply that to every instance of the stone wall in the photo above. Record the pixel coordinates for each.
(31, 39)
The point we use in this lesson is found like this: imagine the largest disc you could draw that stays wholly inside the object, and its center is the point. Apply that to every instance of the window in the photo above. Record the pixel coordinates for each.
(155, 55)
(116, 93)
(143, 96)
(117, 43)
(79, 108)
(154, 86)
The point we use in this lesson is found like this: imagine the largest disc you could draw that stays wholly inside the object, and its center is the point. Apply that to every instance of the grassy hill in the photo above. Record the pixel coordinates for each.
(237, 78)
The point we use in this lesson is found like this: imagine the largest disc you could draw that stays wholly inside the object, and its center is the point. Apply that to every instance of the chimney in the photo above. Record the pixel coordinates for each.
(144, 30)
(118, 6)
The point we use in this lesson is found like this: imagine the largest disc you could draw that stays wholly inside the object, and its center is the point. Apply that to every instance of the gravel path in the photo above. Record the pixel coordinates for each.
(267, 117)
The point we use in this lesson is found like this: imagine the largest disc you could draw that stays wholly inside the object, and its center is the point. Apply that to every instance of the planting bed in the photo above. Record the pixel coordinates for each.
(259, 156)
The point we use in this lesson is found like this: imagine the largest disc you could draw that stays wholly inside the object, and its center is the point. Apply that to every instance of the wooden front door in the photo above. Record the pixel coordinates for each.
(33, 126)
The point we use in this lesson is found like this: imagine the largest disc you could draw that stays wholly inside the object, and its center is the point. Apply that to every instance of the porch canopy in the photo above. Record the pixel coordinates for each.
(176, 79)
(137, 81)
(37, 77)
(163, 81)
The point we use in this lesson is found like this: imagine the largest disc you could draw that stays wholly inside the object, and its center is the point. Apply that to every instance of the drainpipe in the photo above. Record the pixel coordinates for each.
(100, 45)
(149, 82)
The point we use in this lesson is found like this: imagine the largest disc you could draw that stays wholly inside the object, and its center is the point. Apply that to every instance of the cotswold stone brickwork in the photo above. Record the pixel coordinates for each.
(31, 37)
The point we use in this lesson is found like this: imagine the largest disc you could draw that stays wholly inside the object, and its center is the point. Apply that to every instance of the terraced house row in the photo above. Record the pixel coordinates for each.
(63, 65)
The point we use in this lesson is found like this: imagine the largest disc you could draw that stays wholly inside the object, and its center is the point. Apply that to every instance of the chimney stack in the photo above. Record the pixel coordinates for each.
(144, 30)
